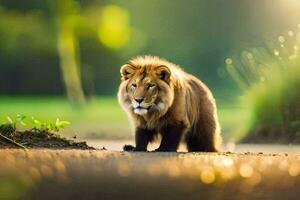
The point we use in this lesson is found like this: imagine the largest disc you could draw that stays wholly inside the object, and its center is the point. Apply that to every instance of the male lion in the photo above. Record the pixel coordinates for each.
(160, 98)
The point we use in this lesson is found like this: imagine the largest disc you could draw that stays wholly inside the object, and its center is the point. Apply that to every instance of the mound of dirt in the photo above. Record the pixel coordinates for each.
(39, 139)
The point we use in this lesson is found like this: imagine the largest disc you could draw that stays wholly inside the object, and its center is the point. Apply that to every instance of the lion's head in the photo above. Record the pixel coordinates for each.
(146, 86)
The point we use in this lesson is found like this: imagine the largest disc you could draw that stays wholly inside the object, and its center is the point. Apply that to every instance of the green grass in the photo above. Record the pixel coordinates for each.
(275, 102)
(101, 118)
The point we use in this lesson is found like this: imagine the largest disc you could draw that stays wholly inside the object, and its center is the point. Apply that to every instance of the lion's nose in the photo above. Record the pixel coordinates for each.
(139, 99)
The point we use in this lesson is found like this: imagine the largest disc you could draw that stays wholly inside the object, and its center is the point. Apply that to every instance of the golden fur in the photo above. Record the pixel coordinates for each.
(169, 98)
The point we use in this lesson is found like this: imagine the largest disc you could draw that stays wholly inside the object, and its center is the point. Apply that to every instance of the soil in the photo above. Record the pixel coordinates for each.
(39, 139)
(93, 174)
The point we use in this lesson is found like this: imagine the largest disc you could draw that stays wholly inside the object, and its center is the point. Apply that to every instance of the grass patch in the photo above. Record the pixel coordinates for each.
(101, 118)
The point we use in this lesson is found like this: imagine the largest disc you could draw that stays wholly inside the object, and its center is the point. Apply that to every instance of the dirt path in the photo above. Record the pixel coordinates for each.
(95, 174)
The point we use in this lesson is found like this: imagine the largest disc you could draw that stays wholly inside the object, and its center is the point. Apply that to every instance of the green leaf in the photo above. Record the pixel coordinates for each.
(61, 124)
(36, 123)
(20, 119)
(23, 123)
(49, 126)
(9, 120)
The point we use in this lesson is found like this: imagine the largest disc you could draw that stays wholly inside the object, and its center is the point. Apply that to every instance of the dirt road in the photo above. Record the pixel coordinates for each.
(95, 174)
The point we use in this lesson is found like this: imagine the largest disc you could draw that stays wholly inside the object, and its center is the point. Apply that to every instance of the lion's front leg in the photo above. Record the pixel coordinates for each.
(142, 139)
(171, 136)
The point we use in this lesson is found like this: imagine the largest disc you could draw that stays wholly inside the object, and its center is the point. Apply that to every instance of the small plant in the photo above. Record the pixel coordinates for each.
(37, 134)
(56, 126)
(10, 125)
(8, 129)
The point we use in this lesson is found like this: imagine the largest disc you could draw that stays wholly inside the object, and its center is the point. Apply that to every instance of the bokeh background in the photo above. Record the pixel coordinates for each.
(61, 59)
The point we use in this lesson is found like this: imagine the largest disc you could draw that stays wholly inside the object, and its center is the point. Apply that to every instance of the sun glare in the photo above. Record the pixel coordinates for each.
(114, 30)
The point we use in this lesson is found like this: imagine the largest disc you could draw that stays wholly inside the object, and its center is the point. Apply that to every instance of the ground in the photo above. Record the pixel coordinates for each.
(103, 174)
(112, 174)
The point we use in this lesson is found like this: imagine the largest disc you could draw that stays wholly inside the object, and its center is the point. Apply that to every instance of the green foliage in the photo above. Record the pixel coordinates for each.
(276, 101)
(270, 78)
(10, 125)
(107, 33)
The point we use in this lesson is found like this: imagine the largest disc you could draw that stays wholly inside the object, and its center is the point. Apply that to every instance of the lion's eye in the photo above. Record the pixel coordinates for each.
(133, 85)
(151, 86)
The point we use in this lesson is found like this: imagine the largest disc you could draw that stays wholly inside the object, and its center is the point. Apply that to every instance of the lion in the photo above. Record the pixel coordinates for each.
(163, 100)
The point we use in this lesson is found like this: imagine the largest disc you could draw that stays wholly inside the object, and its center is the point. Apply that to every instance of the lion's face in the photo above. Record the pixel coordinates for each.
(146, 89)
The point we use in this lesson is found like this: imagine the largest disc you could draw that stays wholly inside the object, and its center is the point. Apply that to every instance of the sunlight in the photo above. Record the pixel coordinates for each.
(208, 175)
(114, 30)
(294, 169)
(246, 170)
(228, 162)
(202, 72)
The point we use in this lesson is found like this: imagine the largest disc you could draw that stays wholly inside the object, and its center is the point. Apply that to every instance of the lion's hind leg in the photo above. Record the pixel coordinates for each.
(204, 136)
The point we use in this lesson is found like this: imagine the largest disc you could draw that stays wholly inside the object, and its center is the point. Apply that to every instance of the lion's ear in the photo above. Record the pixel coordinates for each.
(163, 72)
(127, 71)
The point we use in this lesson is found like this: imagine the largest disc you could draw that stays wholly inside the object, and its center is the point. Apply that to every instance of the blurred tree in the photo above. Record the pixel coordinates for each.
(67, 18)
(110, 23)
(198, 35)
